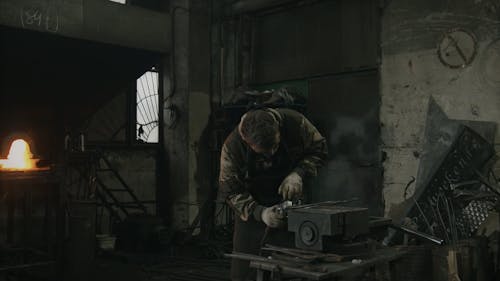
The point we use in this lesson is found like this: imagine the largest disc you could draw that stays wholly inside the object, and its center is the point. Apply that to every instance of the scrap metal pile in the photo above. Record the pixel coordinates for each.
(458, 198)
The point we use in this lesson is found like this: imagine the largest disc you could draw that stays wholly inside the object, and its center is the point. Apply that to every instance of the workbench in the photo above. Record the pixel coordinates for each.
(272, 269)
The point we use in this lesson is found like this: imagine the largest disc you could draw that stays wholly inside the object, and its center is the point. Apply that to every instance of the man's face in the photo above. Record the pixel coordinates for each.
(267, 152)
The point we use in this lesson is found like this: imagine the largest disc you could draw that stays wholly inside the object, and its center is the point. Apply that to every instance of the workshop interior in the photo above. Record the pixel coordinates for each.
(125, 154)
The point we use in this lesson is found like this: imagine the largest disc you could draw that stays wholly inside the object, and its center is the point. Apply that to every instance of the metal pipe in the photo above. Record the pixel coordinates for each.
(417, 233)
(322, 204)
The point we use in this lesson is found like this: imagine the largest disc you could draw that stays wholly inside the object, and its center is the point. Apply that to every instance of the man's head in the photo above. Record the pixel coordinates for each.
(260, 130)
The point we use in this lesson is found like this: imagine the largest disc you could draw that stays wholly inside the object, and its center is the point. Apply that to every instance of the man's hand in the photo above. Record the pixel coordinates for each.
(272, 218)
(291, 187)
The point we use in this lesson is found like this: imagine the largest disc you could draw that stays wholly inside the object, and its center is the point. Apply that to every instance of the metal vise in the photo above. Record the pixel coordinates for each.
(321, 226)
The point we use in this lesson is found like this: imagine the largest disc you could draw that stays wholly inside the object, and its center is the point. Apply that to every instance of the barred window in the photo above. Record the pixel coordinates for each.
(147, 109)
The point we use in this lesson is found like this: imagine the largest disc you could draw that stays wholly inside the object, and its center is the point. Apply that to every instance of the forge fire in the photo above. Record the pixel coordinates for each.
(19, 158)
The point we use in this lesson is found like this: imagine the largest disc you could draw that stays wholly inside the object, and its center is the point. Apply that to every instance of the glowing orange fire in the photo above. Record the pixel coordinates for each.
(19, 158)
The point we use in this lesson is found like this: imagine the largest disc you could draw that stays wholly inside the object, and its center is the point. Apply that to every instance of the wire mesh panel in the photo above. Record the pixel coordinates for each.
(474, 214)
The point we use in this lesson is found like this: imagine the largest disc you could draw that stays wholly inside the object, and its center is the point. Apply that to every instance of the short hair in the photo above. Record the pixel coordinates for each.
(259, 127)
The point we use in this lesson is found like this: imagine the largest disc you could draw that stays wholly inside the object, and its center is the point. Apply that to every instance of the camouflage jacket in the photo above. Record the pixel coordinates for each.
(307, 150)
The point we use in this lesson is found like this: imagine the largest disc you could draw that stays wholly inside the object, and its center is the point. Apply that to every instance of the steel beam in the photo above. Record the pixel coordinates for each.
(245, 6)
(95, 20)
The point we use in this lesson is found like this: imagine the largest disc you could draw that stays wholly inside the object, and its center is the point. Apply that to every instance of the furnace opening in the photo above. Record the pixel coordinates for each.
(19, 157)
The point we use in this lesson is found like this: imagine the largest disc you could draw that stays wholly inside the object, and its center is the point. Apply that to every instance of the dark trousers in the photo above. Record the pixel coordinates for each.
(248, 237)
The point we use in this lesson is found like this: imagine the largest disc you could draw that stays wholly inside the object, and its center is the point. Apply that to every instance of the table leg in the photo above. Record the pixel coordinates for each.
(260, 275)
(11, 207)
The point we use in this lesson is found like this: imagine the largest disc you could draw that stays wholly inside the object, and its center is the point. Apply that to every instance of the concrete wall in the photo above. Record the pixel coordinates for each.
(412, 73)
(108, 124)
(137, 164)
(137, 168)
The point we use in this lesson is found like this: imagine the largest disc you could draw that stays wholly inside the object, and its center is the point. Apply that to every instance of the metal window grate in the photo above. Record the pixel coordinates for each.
(147, 113)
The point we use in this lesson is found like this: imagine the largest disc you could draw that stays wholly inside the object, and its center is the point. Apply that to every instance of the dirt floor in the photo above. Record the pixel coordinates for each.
(142, 268)
(193, 261)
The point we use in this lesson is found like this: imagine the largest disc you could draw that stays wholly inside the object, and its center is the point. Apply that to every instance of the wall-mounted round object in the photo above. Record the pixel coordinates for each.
(457, 48)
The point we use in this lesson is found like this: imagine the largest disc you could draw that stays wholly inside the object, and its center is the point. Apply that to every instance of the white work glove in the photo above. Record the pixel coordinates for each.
(272, 217)
(291, 187)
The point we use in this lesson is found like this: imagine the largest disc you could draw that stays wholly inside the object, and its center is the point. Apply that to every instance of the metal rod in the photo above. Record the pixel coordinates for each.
(423, 214)
(442, 221)
(24, 266)
(417, 233)
(464, 183)
(326, 203)
(247, 257)
(431, 204)
(244, 6)
(451, 219)
(454, 219)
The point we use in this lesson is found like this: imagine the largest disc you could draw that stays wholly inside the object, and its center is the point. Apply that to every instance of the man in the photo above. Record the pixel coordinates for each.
(263, 162)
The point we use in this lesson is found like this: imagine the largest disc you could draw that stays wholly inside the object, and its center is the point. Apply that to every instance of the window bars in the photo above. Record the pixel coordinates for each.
(147, 107)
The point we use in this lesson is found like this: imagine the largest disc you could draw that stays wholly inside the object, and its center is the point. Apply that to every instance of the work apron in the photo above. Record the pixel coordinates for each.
(262, 182)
